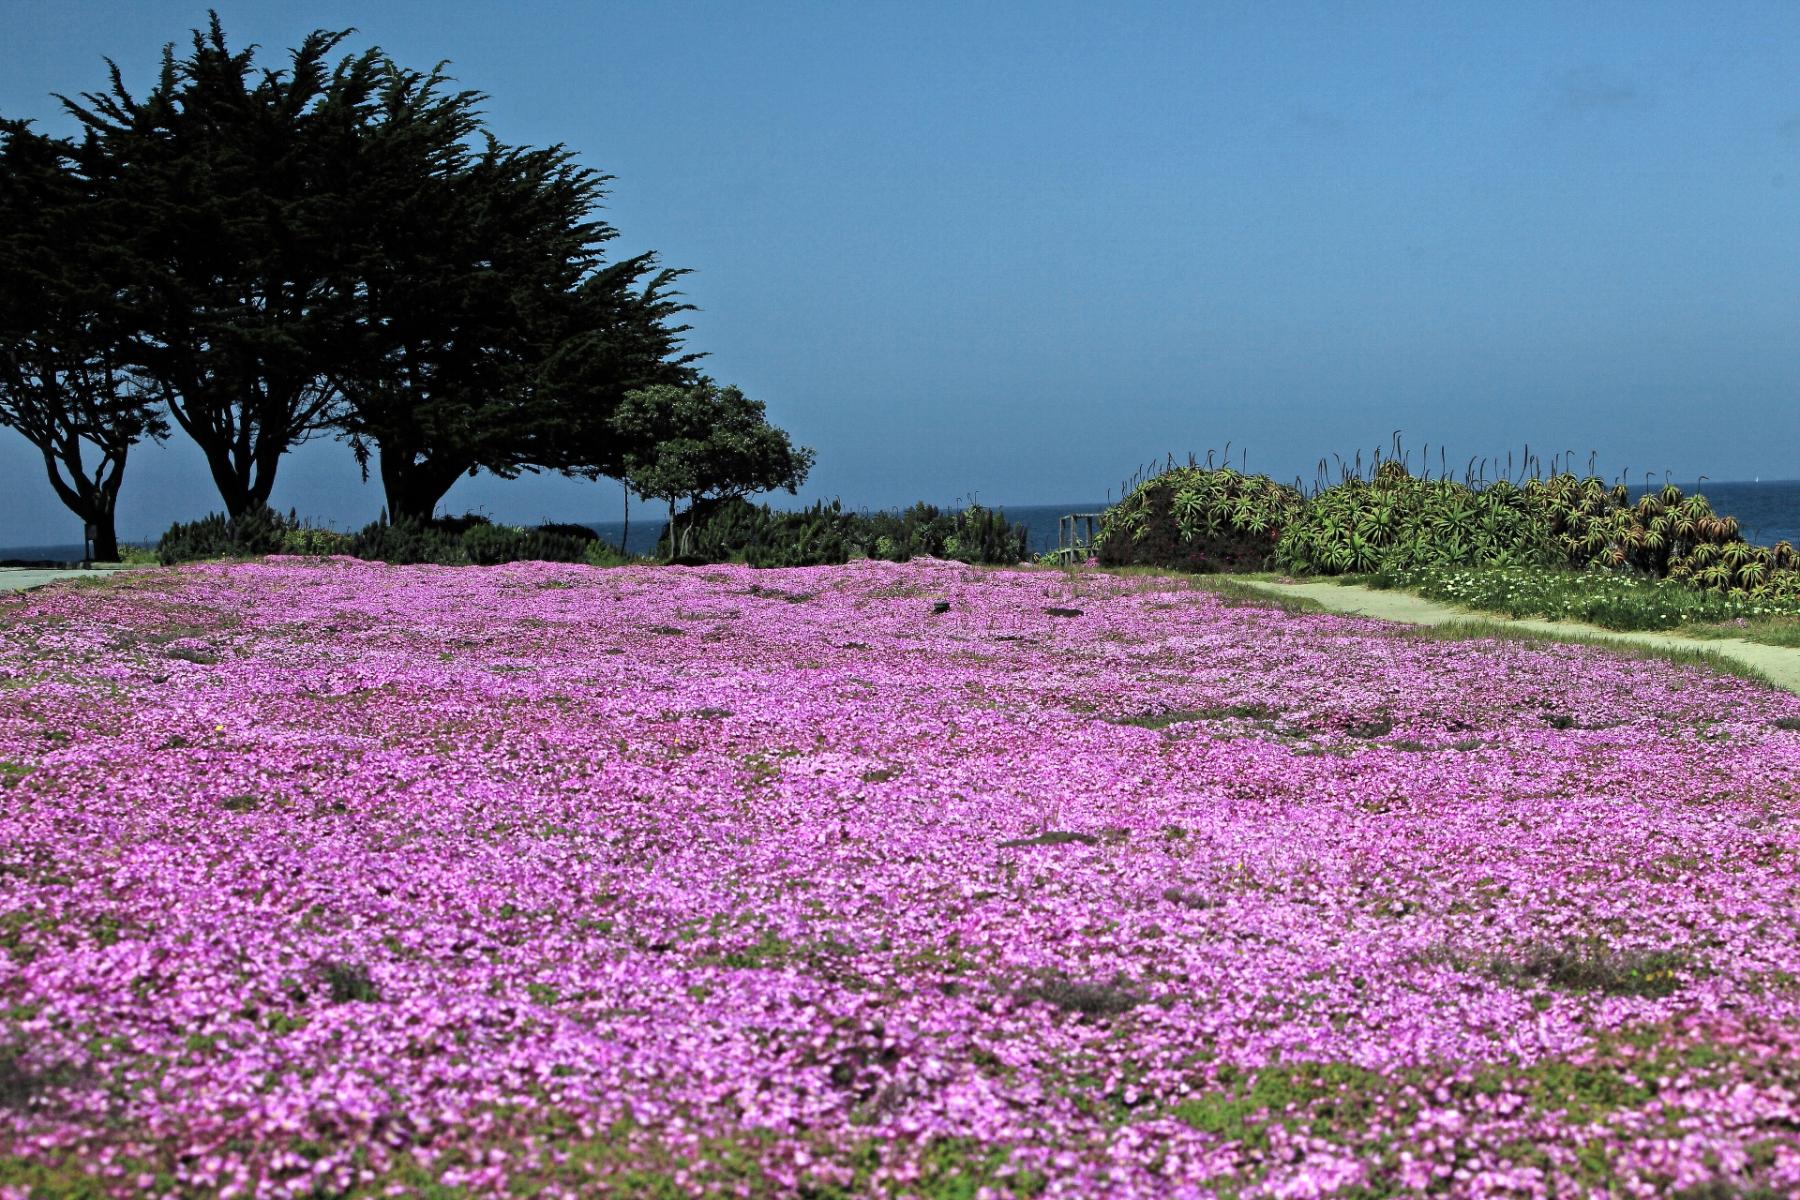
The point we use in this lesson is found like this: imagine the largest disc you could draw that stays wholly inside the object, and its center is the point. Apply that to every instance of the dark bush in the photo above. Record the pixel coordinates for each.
(349, 983)
(405, 542)
(216, 536)
(974, 534)
(457, 526)
(490, 545)
(1196, 518)
(736, 530)
(569, 529)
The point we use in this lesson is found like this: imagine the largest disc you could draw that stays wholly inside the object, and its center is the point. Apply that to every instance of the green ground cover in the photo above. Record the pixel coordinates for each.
(1612, 600)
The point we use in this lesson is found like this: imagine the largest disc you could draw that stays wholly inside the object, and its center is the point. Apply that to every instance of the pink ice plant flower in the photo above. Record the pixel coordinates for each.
(330, 878)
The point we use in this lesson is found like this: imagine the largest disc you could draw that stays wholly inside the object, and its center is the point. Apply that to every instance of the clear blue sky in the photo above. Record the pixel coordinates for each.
(1017, 250)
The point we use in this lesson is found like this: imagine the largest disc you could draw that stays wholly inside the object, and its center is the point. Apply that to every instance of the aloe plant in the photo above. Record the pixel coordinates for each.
(1198, 518)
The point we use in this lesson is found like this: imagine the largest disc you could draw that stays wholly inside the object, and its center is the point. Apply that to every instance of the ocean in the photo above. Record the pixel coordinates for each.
(1766, 513)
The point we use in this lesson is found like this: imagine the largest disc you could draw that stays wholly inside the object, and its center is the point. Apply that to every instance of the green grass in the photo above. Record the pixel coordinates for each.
(1770, 631)
(1609, 599)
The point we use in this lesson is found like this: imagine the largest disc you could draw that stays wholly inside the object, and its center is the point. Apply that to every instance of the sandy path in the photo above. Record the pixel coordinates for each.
(1780, 664)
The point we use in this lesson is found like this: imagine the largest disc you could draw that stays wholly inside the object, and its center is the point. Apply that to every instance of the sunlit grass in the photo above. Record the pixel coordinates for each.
(1612, 600)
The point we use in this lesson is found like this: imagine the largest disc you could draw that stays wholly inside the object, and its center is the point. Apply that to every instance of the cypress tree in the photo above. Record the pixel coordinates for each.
(234, 182)
(488, 333)
(66, 383)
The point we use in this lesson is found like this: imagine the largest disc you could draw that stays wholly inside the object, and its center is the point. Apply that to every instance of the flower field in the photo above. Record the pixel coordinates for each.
(323, 879)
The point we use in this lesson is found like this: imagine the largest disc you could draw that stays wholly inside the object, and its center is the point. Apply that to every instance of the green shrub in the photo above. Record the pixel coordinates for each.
(489, 545)
(983, 535)
(1394, 522)
(457, 526)
(569, 529)
(406, 542)
(605, 554)
(315, 543)
(973, 534)
(1197, 518)
(1609, 598)
(1665, 533)
(736, 530)
(216, 536)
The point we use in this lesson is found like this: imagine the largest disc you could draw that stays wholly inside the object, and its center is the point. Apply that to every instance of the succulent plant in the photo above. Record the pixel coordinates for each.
(1198, 518)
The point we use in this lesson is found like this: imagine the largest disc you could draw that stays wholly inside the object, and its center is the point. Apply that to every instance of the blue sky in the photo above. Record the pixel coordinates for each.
(1014, 251)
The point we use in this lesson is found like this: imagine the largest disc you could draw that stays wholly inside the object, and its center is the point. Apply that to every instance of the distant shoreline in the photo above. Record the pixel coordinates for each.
(1769, 518)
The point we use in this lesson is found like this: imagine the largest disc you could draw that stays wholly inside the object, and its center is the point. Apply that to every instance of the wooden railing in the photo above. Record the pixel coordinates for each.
(1075, 536)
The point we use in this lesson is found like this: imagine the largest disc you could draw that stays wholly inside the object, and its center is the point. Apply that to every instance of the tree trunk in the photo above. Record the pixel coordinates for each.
(625, 537)
(106, 538)
(414, 488)
(243, 449)
(233, 484)
(93, 500)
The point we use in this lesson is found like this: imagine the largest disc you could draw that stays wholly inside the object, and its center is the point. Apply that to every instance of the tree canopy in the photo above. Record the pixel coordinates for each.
(342, 248)
(66, 382)
(704, 442)
(233, 184)
(486, 330)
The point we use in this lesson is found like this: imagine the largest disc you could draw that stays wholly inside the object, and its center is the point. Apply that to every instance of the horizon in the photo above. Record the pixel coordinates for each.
(1022, 251)
(652, 514)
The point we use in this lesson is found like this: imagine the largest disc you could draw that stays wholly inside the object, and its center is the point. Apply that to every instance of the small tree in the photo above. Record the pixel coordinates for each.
(64, 381)
(703, 442)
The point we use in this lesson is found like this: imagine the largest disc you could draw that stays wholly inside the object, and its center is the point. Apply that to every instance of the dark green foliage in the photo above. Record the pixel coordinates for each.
(1666, 534)
(406, 541)
(230, 184)
(974, 534)
(735, 530)
(702, 444)
(469, 539)
(65, 385)
(255, 533)
(1404, 528)
(1613, 599)
(1089, 1000)
(1596, 968)
(569, 529)
(1054, 837)
(488, 545)
(348, 983)
(310, 542)
(453, 541)
(1196, 518)
(454, 526)
(1395, 521)
(22, 1084)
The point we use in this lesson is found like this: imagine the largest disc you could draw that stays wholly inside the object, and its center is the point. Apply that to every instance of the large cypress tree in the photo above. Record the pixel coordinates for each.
(488, 334)
(66, 383)
(234, 182)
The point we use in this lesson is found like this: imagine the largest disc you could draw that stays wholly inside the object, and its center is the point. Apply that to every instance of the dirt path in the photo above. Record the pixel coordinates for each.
(1780, 664)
